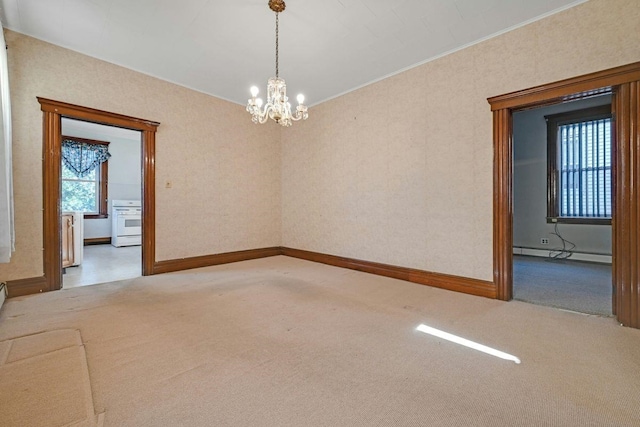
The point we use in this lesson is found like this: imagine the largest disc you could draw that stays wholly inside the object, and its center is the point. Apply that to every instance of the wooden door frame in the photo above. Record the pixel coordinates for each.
(53, 112)
(624, 83)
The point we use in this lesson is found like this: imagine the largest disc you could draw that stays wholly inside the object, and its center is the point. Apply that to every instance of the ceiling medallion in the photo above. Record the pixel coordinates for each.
(278, 107)
(277, 5)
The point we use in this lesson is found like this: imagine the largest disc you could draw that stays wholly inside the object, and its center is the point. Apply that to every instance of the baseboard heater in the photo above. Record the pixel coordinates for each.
(3, 293)
(575, 256)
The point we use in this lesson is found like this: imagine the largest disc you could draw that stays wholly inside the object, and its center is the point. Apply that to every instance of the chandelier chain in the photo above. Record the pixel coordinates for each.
(277, 67)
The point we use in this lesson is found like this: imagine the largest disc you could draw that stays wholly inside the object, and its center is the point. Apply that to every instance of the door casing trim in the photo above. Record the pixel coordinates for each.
(53, 112)
(625, 269)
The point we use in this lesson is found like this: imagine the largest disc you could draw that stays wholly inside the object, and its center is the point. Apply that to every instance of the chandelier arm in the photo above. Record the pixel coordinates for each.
(297, 116)
(259, 115)
(264, 115)
(300, 113)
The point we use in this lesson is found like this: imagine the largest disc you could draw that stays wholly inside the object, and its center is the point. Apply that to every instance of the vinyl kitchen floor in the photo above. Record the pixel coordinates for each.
(104, 263)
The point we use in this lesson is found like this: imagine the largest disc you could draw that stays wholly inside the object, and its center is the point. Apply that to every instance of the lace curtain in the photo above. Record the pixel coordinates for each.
(82, 158)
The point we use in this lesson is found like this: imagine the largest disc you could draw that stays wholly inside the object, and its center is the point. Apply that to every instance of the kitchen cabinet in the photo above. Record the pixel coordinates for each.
(67, 240)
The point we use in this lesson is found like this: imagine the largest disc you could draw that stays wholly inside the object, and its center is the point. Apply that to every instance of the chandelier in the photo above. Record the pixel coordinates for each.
(277, 107)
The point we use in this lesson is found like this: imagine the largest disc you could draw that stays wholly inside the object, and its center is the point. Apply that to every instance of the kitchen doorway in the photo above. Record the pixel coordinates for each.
(53, 112)
(101, 182)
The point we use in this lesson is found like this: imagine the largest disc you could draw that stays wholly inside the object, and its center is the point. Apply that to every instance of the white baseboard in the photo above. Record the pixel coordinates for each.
(576, 256)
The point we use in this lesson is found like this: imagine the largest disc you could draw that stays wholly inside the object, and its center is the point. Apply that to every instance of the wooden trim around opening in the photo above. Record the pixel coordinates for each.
(624, 83)
(503, 204)
(53, 111)
(32, 285)
(626, 214)
(587, 85)
(436, 280)
(216, 259)
(97, 116)
(148, 201)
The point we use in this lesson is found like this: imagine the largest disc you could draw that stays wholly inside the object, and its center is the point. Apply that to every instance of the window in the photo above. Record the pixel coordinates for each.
(579, 166)
(84, 176)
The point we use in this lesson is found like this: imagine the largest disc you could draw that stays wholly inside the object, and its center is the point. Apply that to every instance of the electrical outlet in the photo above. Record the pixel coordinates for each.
(544, 241)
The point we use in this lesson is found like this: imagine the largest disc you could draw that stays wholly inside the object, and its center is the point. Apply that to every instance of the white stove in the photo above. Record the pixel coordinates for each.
(126, 223)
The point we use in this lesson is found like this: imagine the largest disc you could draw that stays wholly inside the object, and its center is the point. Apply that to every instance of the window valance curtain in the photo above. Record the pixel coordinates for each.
(82, 158)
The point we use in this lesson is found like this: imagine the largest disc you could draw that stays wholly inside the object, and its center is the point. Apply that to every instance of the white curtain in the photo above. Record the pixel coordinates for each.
(7, 233)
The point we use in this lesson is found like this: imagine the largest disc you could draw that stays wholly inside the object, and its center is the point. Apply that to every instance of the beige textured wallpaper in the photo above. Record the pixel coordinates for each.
(383, 173)
(379, 174)
(225, 171)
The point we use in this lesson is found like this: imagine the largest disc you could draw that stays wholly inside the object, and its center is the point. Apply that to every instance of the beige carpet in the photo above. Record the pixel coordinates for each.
(285, 342)
(45, 382)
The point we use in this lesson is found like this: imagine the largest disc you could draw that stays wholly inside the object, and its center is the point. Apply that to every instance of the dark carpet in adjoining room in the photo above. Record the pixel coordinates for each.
(579, 286)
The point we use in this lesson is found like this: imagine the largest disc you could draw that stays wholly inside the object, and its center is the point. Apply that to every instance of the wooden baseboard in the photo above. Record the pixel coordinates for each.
(209, 260)
(32, 285)
(97, 241)
(444, 281)
(438, 280)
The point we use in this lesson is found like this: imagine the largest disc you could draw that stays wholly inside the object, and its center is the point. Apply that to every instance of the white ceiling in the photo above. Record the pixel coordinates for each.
(89, 130)
(327, 47)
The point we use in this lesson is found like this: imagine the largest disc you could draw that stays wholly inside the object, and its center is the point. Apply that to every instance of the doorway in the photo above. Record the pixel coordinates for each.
(88, 202)
(624, 84)
(562, 203)
(53, 112)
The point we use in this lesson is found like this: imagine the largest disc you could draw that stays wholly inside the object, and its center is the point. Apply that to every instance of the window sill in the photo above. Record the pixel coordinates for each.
(579, 220)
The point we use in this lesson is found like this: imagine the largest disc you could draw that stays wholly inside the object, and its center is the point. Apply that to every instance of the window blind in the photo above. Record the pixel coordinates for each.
(585, 169)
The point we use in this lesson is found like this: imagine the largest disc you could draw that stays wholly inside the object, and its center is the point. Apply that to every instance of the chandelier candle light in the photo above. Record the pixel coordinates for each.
(277, 107)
